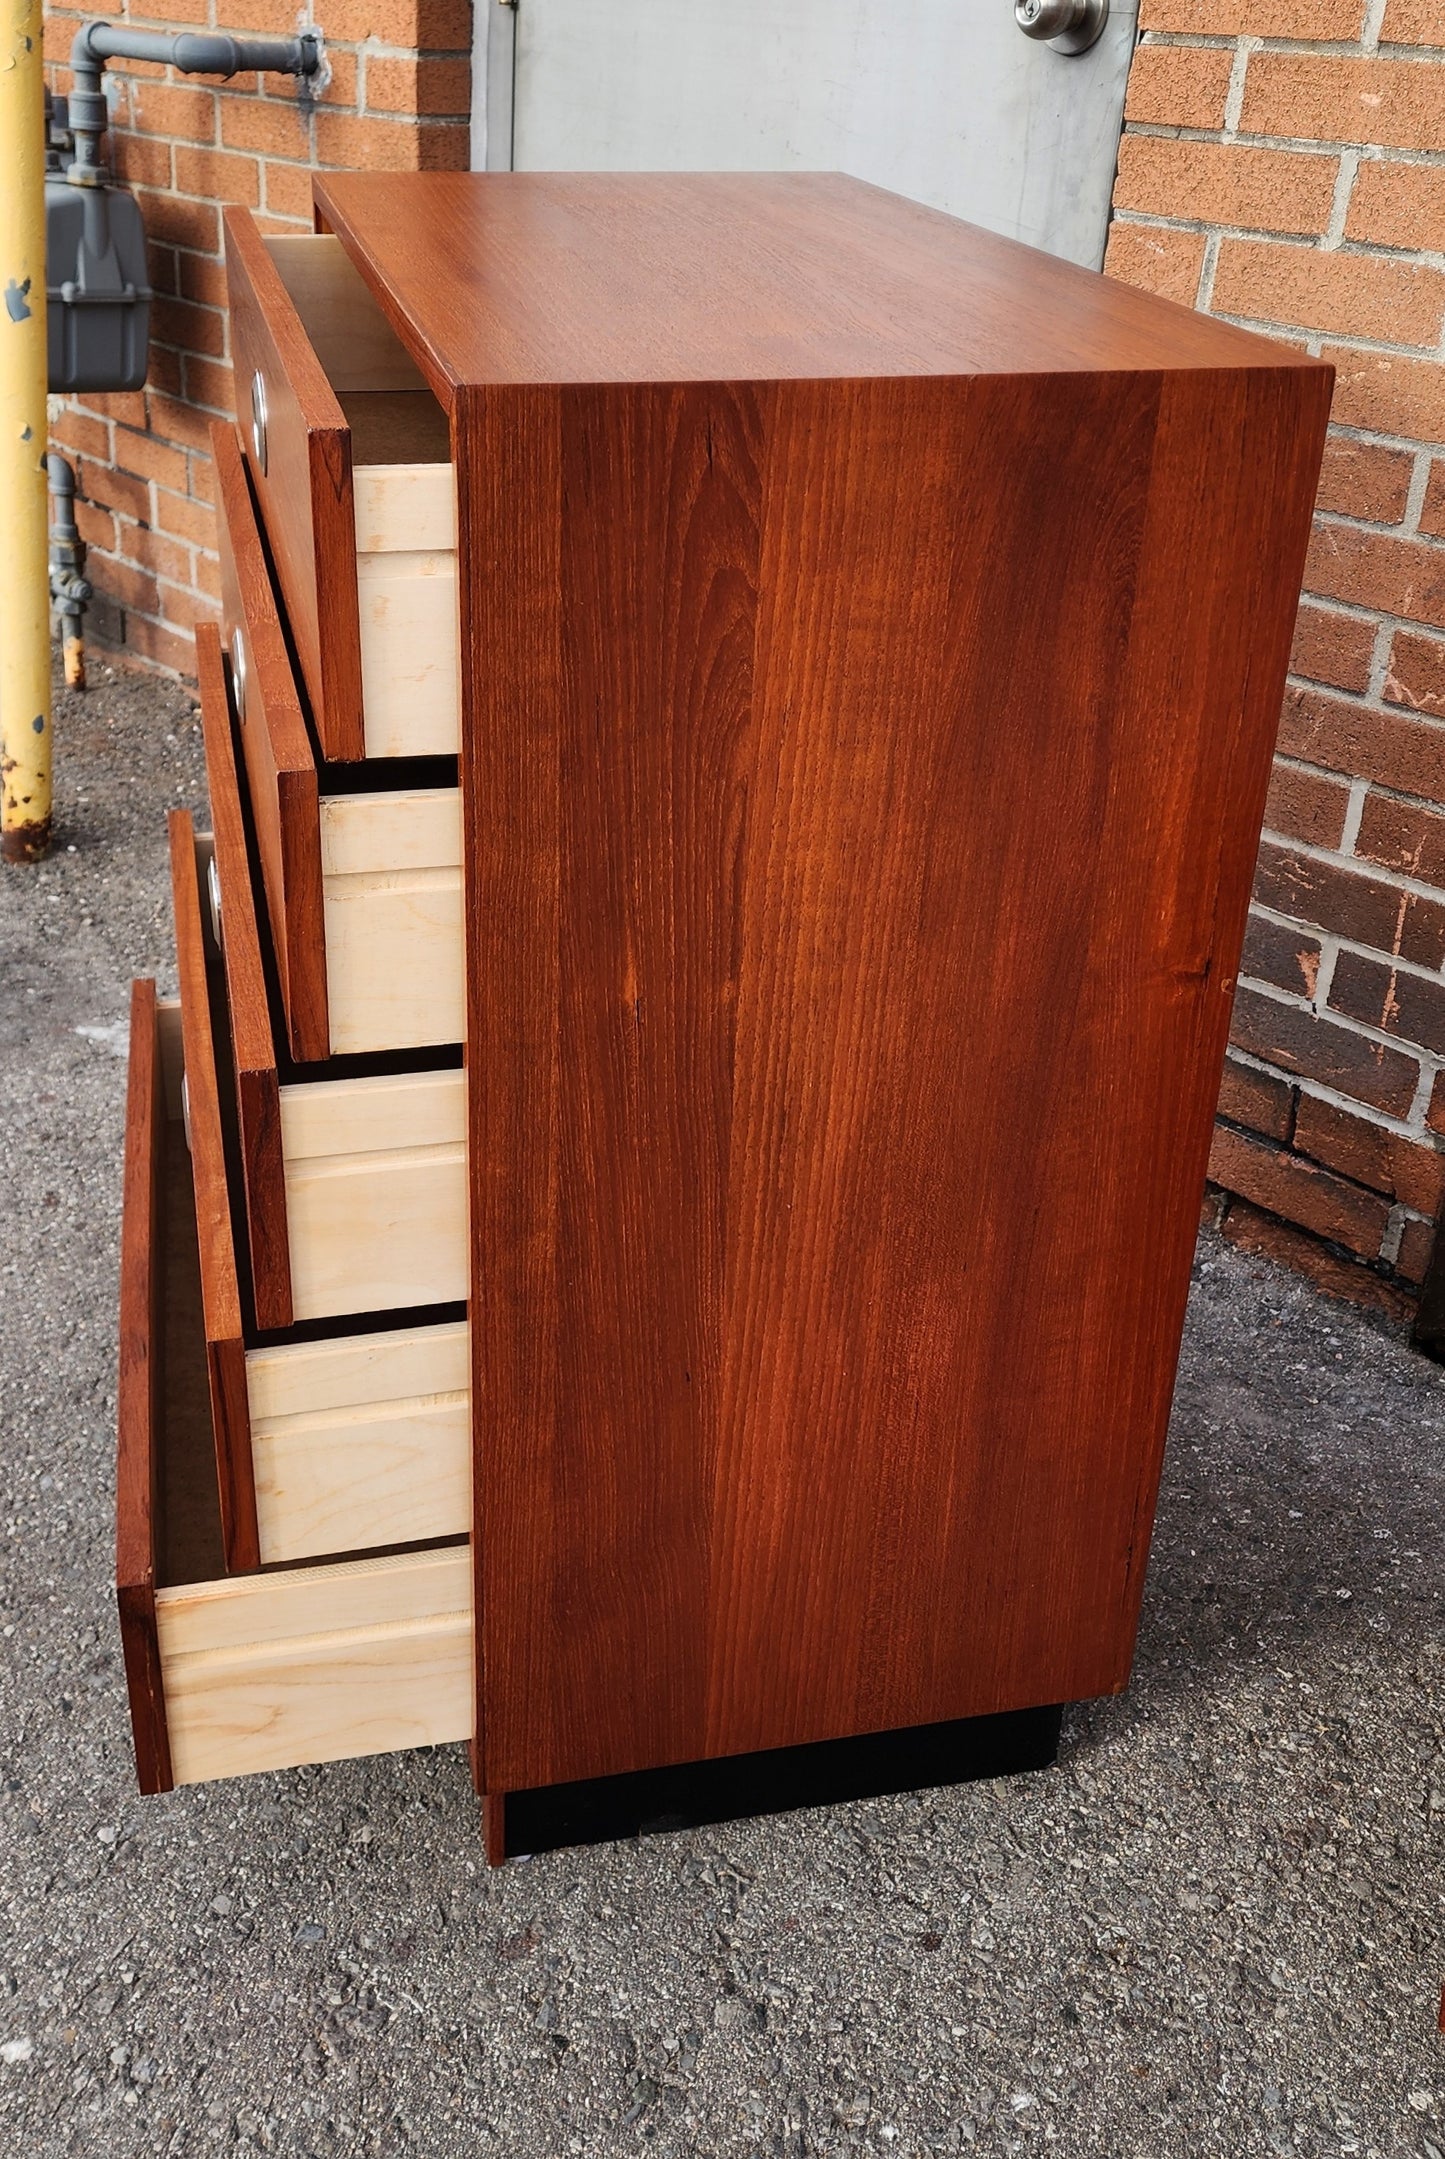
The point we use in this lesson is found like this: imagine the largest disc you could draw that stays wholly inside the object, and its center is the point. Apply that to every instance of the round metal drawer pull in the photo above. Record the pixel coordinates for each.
(213, 893)
(238, 672)
(258, 415)
(1067, 26)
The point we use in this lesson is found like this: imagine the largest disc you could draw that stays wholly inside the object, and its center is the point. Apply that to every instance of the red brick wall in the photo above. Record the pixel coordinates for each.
(1282, 165)
(399, 99)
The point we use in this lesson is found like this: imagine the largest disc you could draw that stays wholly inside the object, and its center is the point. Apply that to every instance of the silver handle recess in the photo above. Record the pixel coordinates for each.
(213, 893)
(258, 415)
(238, 672)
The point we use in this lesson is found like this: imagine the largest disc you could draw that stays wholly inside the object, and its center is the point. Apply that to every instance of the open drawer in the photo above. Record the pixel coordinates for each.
(342, 1441)
(351, 456)
(363, 891)
(265, 1670)
(352, 1190)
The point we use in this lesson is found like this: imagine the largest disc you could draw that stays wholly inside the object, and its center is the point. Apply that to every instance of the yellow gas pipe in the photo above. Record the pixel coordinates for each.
(24, 578)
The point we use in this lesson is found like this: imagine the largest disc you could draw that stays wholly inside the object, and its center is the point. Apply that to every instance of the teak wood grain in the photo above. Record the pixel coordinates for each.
(518, 278)
(220, 1282)
(280, 766)
(138, 1395)
(251, 1045)
(862, 764)
(306, 488)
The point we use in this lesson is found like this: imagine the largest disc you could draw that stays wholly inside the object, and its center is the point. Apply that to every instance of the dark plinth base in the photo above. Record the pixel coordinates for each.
(602, 1808)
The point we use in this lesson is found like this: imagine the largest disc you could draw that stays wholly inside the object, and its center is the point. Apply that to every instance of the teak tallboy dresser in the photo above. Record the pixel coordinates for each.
(657, 1234)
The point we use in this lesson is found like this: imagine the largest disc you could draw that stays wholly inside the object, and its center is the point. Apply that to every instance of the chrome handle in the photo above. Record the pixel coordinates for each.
(238, 672)
(186, 1111)
(258, 411)
(1067, 26)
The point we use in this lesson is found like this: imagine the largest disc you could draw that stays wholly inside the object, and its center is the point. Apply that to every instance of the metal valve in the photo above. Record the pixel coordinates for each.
(1067, 26)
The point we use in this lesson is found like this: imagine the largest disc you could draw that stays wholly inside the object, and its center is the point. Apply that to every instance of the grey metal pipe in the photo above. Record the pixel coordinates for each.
(70, 589)
(194, 52)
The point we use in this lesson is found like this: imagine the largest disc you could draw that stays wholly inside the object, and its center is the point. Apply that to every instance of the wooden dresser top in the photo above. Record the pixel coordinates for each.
(672, 277)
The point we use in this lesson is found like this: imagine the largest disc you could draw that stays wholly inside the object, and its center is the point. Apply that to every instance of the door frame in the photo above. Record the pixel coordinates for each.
(494, 64)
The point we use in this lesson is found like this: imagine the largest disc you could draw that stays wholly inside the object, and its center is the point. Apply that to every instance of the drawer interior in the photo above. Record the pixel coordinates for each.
(295, 1664)
(394, 418)
(404, 502)
(188, 1510)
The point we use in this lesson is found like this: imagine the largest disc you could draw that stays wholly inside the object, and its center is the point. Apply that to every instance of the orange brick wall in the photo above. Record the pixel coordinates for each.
(1283, 164)
(398, 99)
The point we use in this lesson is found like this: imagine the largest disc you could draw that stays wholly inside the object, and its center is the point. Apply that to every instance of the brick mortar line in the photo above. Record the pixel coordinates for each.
(1289, 48)
(1375, 438)
(367, 48)
(1424, 160)
(1294, 333)
(1424, 1096)
(1347, 248)
(1244, 51)
(1377, 1036)
(1321, 1091)
(1287, 1148)
(1350, 521)
(1324, 973)
(427, 119)
(220, 148)
(1398, 880)
(1345, 177)
(1323, 772)
(1353, 945)
(1161, 221)
(1374, 153)
(1415, 498)
(1380, 655)
(1357, 611)
(1208, 264)
(1232, 40)
(1429, 1061)
(1367, 701)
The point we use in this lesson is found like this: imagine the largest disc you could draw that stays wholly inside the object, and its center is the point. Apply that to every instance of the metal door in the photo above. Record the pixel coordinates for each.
(945, 100)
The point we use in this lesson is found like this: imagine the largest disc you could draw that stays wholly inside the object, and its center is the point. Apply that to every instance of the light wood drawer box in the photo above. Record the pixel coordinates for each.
(351, 456)
(343, 1440)
(261, 1671)
(352, 1190)
(362, 889)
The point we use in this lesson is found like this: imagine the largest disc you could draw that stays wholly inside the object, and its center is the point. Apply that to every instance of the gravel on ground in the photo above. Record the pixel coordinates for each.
(1216, 1927)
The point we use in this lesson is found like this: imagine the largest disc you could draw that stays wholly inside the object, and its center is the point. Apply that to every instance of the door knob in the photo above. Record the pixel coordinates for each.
(1067, 25)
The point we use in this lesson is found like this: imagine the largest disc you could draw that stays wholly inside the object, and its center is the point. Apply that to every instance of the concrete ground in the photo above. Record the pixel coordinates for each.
(1218, 1926)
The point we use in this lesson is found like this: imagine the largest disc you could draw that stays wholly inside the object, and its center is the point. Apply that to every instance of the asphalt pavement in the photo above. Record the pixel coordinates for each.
(1216, 1927)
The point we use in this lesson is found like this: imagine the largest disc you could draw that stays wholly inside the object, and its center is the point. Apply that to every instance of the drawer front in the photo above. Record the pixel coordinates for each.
(301, 458)
(281, 775)
(350, 455)
(353, 1190)
(227, 1676)
(362, 892)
